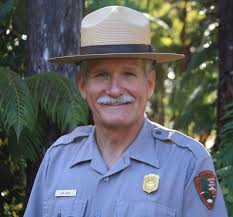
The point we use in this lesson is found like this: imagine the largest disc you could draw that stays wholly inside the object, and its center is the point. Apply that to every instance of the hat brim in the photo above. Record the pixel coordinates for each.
(158, 57)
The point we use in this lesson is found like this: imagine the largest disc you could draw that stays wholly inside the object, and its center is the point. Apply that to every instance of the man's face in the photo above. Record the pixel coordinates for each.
(116, 91)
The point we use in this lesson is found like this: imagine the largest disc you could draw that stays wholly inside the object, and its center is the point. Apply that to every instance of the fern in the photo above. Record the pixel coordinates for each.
(17, 108)
(60, 99)
(224, 158)
(28, 145)
(57, 98)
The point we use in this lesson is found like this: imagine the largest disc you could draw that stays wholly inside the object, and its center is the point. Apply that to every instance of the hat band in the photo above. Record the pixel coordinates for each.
(120, 48)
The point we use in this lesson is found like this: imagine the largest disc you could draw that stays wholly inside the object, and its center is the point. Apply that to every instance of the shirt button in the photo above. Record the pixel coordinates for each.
(158, 132)
(106, 179)
(97, 214)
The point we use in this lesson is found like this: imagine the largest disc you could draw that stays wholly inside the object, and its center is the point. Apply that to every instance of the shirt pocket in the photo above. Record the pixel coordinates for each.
(142, 209)
(64, 207)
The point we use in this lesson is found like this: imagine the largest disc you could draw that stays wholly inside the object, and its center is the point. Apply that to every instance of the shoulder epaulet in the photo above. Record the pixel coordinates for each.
(78, 132)
(180, 139)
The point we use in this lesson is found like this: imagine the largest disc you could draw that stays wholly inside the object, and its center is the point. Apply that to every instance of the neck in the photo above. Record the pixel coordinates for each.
(112, 142)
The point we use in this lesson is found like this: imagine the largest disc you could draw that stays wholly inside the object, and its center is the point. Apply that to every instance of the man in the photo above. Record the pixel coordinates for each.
(125, 165)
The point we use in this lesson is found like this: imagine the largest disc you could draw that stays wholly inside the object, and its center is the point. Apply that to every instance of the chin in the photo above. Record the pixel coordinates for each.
(118, 122)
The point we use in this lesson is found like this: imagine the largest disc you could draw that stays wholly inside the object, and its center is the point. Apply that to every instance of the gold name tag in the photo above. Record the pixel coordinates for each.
(65, 193)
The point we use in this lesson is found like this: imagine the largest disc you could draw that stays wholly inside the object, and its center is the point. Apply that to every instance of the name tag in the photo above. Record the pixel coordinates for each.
(65, 193)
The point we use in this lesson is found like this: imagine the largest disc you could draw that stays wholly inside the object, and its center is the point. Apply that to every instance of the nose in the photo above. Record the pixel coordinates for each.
(114, 89)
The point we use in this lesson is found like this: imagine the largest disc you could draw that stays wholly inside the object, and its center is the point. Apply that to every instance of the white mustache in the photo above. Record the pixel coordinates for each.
(107, 100)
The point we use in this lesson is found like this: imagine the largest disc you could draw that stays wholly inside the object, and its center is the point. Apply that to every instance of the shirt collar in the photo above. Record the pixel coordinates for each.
(85, 151)
(143, 147)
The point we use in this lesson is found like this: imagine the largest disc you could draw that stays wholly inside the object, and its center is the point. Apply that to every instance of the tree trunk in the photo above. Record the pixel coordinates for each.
(225, 86)
(53, 29)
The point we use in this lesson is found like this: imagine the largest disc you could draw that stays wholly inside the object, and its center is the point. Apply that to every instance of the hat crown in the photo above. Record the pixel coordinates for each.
(116, 32)
(115, 25)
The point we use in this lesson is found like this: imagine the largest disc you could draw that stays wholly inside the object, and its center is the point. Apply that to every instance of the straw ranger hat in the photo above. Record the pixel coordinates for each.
(116, 32)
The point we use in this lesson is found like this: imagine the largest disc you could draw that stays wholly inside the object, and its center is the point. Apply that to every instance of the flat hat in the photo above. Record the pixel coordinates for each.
(116, 32)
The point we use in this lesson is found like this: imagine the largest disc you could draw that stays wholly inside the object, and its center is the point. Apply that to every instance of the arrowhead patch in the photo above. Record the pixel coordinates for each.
(206, 185)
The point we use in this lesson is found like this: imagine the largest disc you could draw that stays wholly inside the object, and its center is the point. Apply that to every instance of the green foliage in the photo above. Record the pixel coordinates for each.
(12, 181)
(60, 100)
(194, 93)
(12, 35)
(6, 8)
(18, 110)
(21, 99)
(224, 159)
(13, 95)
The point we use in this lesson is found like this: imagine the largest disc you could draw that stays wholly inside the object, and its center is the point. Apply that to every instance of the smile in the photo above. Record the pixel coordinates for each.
(121, 100)
(116, 103)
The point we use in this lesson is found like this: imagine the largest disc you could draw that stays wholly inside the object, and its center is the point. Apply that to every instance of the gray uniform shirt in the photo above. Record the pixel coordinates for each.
(73, 180)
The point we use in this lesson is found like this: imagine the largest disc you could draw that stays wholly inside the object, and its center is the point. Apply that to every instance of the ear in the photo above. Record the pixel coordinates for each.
(82, 86)
(151, 83)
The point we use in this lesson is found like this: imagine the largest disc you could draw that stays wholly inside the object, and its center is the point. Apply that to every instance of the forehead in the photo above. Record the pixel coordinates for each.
(119, 62)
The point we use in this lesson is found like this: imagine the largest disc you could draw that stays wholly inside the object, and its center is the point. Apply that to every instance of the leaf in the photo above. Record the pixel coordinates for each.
(60, 99)
(224, 156)
(17, 106)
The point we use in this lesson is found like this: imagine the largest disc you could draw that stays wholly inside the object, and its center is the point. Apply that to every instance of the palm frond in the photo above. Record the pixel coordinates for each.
(17, 108)
(59, 98)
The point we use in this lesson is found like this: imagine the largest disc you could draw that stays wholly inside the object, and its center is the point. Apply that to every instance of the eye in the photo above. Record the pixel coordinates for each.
(101, 75)
(129, 74)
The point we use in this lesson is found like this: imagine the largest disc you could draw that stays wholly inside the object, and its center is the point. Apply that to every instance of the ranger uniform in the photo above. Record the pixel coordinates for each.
(156, 176)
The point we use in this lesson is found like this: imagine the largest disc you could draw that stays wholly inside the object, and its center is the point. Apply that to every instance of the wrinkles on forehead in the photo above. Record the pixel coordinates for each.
(89, 65)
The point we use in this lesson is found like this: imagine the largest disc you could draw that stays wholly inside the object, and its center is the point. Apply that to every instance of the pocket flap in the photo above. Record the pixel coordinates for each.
(64, 207)
(142, 209)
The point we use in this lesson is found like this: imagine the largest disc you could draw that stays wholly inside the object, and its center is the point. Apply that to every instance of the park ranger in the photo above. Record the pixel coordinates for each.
(125, 165)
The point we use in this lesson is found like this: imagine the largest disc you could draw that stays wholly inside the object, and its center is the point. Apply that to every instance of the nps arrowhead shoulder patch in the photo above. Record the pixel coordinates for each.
(206, 185)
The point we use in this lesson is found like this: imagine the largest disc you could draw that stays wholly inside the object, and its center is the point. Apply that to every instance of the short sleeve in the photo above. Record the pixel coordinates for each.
(35, 203)
(193, 198)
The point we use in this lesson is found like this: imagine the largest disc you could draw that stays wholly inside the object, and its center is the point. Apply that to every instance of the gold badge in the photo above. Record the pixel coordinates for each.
(151, 183)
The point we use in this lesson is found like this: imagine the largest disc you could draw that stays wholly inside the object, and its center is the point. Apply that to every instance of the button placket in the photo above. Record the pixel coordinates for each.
(97, 214)
(106, 179)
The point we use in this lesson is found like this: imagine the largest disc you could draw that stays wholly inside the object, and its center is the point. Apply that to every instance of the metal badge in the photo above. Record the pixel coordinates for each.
(150, 183)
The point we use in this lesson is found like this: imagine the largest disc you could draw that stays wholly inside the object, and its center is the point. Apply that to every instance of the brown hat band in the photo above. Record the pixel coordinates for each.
(120, 48)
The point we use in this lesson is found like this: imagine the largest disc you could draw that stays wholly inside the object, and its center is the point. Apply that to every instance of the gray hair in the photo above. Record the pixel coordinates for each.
(148, 67)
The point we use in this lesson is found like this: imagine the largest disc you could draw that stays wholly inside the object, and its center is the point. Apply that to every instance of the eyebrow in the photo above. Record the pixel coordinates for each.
(129, 68)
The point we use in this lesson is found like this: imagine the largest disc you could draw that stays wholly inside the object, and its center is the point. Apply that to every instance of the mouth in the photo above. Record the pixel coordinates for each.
(121, 100)
(115, 104)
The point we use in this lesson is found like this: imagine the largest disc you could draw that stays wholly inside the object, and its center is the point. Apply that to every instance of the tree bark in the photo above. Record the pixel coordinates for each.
(225, 86)
(53, 29)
